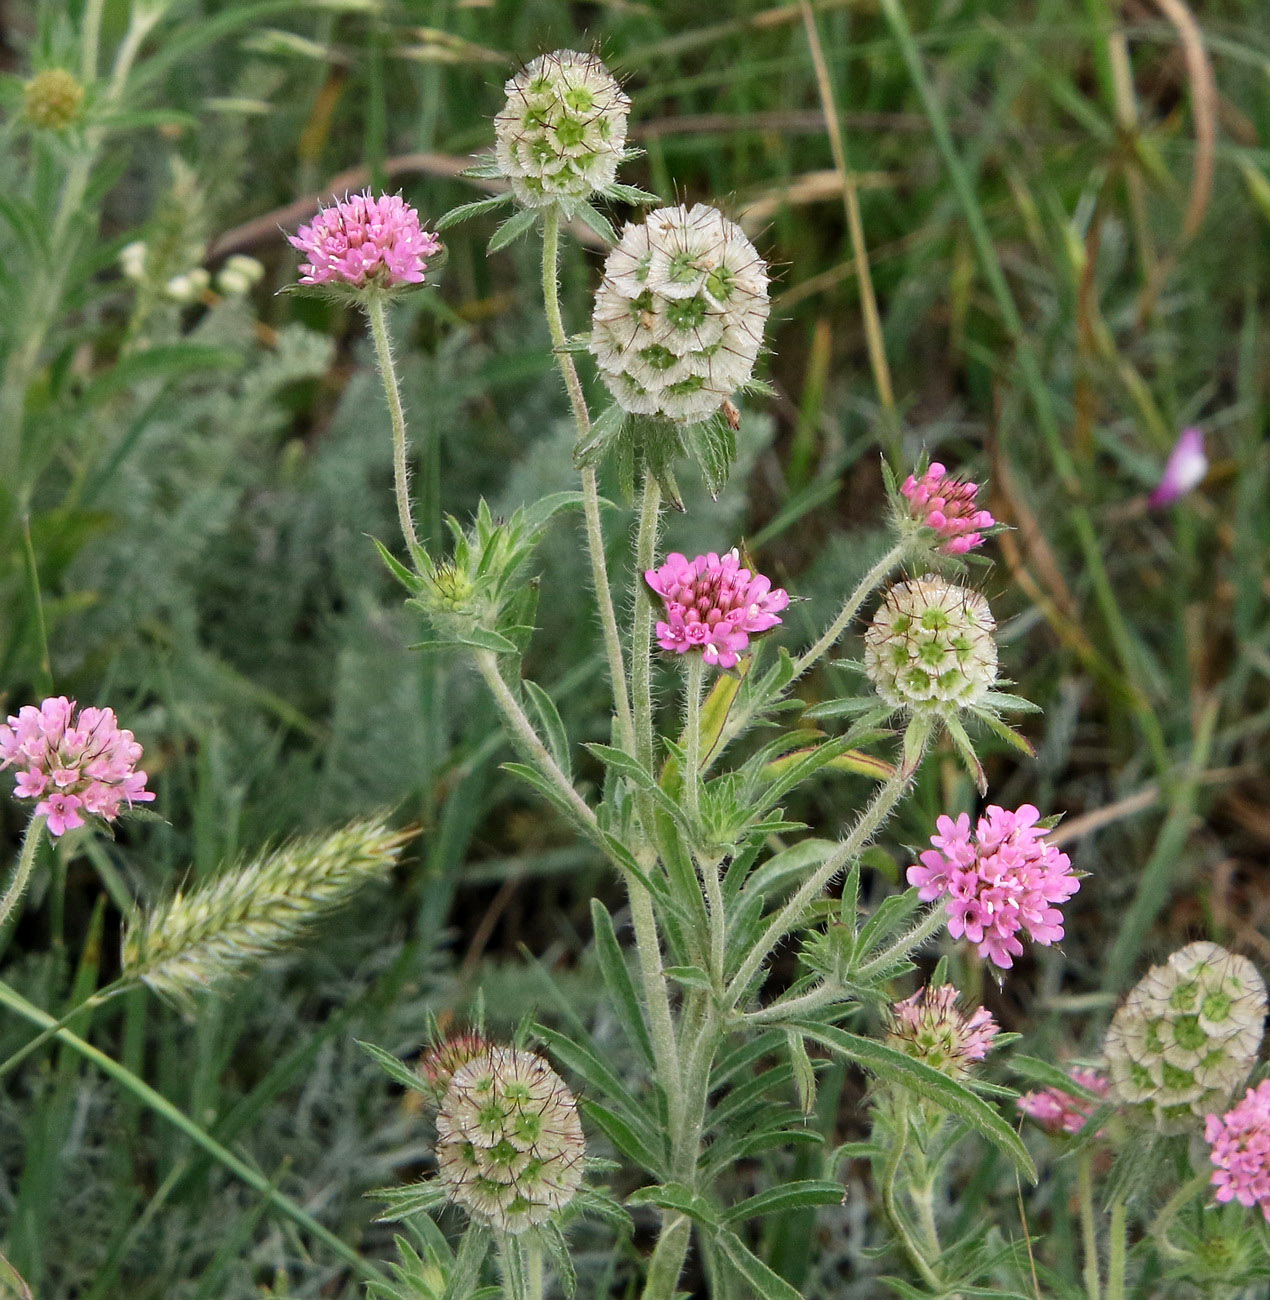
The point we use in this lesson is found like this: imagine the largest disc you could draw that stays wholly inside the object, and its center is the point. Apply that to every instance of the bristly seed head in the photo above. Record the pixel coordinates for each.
(437, 1065)
(509, 1139)
(930, 647)
(678, 320)
(1187, 1035)
(562, 132)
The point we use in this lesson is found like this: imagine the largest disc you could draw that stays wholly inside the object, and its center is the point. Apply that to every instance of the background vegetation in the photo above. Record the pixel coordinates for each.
(1067, 222)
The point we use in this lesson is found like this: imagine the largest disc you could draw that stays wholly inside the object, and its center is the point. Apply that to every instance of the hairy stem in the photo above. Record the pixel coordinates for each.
(22, 872)
(523, 730)
(1088, 1227)
(641, 645)
(1116, 1252)
(377, 317)
(864, 587)
(590, 487)
(866, 826)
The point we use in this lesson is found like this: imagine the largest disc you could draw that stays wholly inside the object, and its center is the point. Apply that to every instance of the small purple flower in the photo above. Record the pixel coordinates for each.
(365, 241)
(1185, 470)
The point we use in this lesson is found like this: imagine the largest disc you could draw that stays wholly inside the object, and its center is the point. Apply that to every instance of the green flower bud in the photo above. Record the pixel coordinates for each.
(52, 99)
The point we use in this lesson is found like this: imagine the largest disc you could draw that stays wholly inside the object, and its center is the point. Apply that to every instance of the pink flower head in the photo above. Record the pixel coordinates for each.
(1057, 1111)
(999, 880)
(1183, 472)
(1240, 1150)
(931, 1027)
(83, 763)
(947, 505)
(365, 241)
(713, 605)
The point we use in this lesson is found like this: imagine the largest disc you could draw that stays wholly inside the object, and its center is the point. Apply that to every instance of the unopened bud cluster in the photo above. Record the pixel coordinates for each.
(509, 1139)
(1187, 1035)
(930, 646)
(52, 99)
(678, 320)
(931, 1027)
(562, 132)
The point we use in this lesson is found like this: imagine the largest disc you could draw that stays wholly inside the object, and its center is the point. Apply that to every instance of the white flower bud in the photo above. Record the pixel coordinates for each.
(509, 1140)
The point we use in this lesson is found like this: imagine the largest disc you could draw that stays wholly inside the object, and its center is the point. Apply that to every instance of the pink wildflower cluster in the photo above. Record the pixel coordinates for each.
(1057, 1111)
(713, 605)
(1240, 1142)
(364, 240)
(72, 763)
(948, 505)
(999, 880)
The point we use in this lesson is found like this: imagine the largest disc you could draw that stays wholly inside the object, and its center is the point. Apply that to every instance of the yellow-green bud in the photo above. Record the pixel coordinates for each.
(52, 99)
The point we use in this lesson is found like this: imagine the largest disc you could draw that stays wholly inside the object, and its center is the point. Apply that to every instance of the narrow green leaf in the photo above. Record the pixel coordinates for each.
(549, 717)
(405, 1202)
(954, 1097)
(790, 1196)
(398, 570)
(752, 1271)
(512, 229)
(466, 211)
(395, 1068)
(596, 221)
(623, 1136)
(481, 638)
(675, 1196)
(617, 979)
(691, 976)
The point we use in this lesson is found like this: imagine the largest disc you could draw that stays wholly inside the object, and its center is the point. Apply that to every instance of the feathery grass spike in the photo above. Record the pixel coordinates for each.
(195, 939)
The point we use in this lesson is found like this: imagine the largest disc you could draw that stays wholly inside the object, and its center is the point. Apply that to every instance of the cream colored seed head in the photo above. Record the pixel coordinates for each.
(1183, 1041)
(562, 132)
(930, 646)
(509, 1139)
(678, 320)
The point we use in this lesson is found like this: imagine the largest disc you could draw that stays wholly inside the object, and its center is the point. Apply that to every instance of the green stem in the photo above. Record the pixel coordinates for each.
(917, 1256)
(641, 643)
(392, 391)
(523, 730)
(692, 737)
(864, 587)
(22, 872)
(590, 486)
(88, 1004)
(1116, 1253)
(11, 998)
(866, 826)
(1088, 1227)
(1169, 1212)
(533, 1271)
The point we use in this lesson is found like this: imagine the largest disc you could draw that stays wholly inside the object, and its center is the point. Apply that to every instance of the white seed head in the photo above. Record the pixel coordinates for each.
(563, 129)
(1187, 1035)
(509, 1140)
(678, 320)
(930, 646)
